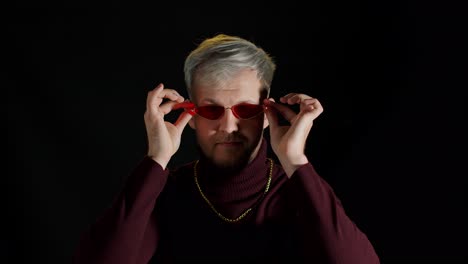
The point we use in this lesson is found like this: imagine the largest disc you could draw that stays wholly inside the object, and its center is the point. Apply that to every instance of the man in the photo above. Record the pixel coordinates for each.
(233, 204)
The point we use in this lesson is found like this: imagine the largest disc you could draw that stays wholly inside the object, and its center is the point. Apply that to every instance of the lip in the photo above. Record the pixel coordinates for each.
(229, 143)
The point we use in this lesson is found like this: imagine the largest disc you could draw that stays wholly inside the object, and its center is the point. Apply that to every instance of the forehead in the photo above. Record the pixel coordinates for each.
(242, 87)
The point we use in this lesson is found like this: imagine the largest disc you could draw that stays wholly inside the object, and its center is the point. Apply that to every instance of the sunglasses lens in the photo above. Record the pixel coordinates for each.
(243, 111)
(211, 112)
(246, 111)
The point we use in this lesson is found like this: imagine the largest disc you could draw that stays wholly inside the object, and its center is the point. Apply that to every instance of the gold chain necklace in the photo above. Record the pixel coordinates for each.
(230, 220)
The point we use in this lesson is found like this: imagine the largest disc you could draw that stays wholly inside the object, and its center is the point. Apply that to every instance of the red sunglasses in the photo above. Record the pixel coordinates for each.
(214, 112)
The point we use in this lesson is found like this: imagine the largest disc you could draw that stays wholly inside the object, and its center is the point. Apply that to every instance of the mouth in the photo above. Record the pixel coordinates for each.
(229, 143)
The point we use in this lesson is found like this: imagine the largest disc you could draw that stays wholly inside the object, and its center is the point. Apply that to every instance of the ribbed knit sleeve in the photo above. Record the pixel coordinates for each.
(126, 233)
(326, 232)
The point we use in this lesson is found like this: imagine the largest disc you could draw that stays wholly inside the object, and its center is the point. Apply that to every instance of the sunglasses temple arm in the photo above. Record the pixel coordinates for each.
(188, 106)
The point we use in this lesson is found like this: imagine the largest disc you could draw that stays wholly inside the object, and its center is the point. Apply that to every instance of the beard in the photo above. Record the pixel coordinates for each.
(230, 162)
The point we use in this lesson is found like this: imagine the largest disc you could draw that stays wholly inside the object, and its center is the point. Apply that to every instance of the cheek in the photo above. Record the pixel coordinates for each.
(204, 129)
(252, 126)
(259, 121)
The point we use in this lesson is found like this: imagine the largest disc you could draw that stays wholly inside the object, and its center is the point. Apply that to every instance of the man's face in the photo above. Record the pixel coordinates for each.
(229, 142)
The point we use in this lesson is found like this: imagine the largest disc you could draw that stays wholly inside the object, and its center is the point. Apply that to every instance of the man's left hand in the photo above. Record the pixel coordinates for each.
(288, 142)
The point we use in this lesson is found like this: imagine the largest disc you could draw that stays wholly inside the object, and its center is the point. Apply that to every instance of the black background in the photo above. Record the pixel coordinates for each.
(385, 72)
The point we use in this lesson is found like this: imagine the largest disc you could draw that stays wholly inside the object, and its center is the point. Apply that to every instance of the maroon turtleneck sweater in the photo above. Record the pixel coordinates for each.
(160, 217)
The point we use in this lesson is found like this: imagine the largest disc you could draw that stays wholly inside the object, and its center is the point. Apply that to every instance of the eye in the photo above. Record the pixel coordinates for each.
(211, 112)
(248, 110)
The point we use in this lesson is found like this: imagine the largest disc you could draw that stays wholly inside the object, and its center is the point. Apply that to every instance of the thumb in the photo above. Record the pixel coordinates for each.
(183, 120)
(271, 114)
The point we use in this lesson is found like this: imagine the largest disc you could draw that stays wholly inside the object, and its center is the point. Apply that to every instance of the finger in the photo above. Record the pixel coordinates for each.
(301, 127)
(312, 106)
(304, 120)
(297, 98)
(171, 94)
(284, 99)
(156, 97)
(271, 114)
(182, 121)
(167, 107)
(152, 98)
(287, 113)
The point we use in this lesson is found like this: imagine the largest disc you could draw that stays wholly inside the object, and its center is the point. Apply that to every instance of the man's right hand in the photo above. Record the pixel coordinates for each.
(163, 137)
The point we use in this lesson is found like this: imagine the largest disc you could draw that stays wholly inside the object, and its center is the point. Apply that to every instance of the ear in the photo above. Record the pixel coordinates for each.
(192, 123)
(265, 121)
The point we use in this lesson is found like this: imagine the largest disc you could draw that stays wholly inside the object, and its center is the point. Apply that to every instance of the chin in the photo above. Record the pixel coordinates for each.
(230, 163)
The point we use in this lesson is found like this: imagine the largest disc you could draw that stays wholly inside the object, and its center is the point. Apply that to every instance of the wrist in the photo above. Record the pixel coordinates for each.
(161, 161)
(291, 164)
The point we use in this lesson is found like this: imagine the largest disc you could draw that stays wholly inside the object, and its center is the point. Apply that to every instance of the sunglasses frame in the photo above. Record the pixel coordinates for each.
(191, 108)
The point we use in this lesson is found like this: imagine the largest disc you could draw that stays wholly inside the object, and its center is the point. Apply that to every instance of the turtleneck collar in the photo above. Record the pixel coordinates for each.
(246, 183)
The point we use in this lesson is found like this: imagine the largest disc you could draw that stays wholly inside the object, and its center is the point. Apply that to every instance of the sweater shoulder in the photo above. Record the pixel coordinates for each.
(184, 169)
(182, 173)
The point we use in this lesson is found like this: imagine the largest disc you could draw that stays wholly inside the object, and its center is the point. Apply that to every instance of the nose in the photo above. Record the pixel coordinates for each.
(228, 122)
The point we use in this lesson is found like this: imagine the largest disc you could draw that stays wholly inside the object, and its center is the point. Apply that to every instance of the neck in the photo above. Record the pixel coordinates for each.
(222, 171)
(240, 170)
(231, 169)
(222, 185)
